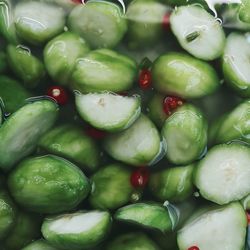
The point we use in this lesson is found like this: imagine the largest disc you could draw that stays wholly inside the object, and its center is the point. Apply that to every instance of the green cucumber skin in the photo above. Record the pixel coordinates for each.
(44, 111)
(244, 14)
(111, 187)
(38, 184)
(173, 184)
(3, 63)
(71, 142)
(25, 65)
(77, 241)
(246, 202)
(174, 73)
(39, 245)
(151, 216)
(132, 241)
(189, 126)
(116, 72)
(61, 53)
(100, 23)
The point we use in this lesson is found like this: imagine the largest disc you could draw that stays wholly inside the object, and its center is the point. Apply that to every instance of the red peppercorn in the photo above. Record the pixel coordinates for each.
(145, 79)
(95, 133)
(170, 103)
(139, 178)
(194, 248)
(166, 21)
(248, 217)
(59, 94)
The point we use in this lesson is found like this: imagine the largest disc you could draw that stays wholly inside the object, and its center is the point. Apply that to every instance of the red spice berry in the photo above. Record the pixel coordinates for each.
(248, 217)
(170, 103)
(139, 178)
(59, 94)
(194, 248)
(166, 21)
(145, 79)
(95, 133)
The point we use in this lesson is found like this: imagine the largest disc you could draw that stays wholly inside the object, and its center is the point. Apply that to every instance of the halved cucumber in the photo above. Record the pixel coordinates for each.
(223, 175)
(108, 111)
(152, 216)
(39, 245)
(236, 63)
(20, 132)
(215, 228)
(139, 145)
(79, 230)
(198, 32)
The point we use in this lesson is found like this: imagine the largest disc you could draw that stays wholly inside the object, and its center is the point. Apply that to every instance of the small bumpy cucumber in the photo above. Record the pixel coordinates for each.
(236, 63)
(223, 175)
(221, 227)
(139, 145)
(185, 133)
(183, 75)
(100, 23)
(20, 133)
(75, 231)
(107, 111)
(198, 32)
(152, 216)
(39, 245)
(244, 11)
(37, 22)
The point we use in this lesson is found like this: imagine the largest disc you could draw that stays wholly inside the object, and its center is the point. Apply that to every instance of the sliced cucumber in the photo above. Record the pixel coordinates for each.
(104, 70)
(39, 245)
(198, 32)
(215, 228)
(185, 133)
(61, 53)
(108, 111)
(138, 145)
(20, 133)
(152, 216)
(37, 22)
(78, 230)
(183, 75)
(236, 63)
(100, 23)
(223, 175)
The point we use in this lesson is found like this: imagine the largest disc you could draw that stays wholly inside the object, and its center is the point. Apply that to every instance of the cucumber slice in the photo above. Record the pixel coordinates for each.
(48, 184)
(100, 23)
(78, 230)
(235, 63)
(20, 132)
(104, 70)
(108, 111)
(183, 75)
(26, 66)
(61, 53)
(37, 22)
(39, 245)
(206, 229)
(138, 145)
(185, 132)
(223, 175)
(152, 216)
(244, 14)
(70, 141)
(198, 32)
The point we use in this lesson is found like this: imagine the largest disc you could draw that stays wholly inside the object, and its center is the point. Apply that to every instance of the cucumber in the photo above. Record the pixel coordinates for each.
(185, 133)
(107, 111)
(79, 230)
(70, 141)
(183, 75)
(1, 111)
(174, 184)
(111, 187)
(138, 145)
(37, 22)
(223, 175)
(244, 11)
(198, 32)
(234, 125)
(206, 229)
(235, 63)
(61, 53)
(39, 245)
(20, 132)
(100, 23)
(13, 94)
(246, 202)
(26, 66)
(48, 184)
(151, 216)
(104, 70)
(132, 241)
(3, 61)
